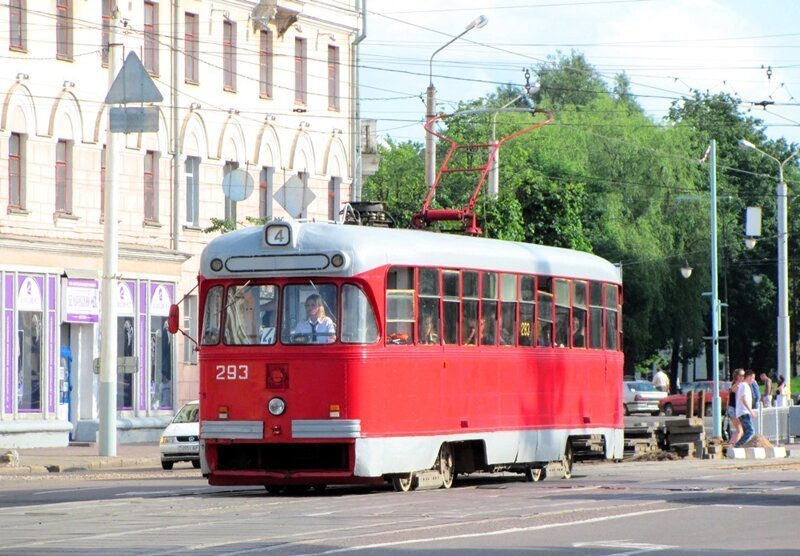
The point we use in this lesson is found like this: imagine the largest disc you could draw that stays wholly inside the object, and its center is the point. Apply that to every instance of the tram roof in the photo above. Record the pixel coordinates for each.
(366, 248)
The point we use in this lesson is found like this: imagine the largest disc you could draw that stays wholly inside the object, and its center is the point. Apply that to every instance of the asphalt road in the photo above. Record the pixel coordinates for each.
(673, 507)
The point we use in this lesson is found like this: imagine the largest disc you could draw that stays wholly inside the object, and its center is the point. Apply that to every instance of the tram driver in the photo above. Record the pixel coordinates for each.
(317, 328)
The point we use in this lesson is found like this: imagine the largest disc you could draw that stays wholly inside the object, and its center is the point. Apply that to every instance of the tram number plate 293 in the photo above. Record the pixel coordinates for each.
(232, 372)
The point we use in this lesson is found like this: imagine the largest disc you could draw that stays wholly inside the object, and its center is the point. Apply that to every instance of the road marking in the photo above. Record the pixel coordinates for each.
(513, 530)
(632, 547)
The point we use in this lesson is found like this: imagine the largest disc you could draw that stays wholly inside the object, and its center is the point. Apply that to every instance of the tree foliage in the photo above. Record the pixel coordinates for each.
(606, 178)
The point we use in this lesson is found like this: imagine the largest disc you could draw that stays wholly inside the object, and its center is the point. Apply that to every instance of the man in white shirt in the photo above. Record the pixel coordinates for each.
(661, 381)
(744, 407)
(317, 328)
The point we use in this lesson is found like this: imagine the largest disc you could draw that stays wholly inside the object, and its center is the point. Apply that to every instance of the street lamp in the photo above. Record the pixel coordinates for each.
(686, 271)
(783, 267)
(430, 102)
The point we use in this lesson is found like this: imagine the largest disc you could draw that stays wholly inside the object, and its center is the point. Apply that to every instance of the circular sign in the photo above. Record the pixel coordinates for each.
(237, 185)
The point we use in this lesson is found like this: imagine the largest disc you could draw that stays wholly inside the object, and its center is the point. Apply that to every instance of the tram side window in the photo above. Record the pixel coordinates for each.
(545, 322)
(310, 313)
(595, 315)
(428, 332)
(562, 313)
(469, 308)
(251, 315)
(489, 309)
(579, 314)
(451, 306)
(400, 306)
(527, 298)
(211, 316)
(612, 330)
(508, 308)
(358, 318)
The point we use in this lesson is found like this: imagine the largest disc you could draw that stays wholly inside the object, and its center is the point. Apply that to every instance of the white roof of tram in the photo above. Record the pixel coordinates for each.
(312, 246)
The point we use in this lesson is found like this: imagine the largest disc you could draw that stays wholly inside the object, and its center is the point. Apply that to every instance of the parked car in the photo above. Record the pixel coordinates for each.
(675, 404)
(180, 441)
(639, 396)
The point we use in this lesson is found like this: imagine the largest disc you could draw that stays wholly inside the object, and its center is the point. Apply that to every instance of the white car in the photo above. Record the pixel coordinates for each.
(640, 396)
(180, 441)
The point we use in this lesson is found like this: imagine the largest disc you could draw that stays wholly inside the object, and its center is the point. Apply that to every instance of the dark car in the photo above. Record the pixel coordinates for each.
(675, 404)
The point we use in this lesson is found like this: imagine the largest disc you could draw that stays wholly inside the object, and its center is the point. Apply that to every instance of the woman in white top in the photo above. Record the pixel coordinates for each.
(317, 328)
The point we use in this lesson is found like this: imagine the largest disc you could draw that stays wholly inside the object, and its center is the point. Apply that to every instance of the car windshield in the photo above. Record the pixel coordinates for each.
(189, 413)
(641, 386)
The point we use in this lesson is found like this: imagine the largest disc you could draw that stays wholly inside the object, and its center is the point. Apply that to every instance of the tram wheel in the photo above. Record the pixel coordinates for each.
(447, 465)
(566, 461)
(404, 483)
(274, 489)
(535, 474)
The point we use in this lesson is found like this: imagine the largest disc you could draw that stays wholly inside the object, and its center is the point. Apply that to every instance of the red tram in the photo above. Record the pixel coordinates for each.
(335, 354)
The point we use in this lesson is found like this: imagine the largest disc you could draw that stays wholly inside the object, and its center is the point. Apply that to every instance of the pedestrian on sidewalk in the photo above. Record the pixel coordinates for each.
(661, 381)
(736, 425)
(744, 407)
(766, 399)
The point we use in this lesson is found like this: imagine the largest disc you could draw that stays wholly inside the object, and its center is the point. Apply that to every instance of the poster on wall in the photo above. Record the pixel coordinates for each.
(81, 298)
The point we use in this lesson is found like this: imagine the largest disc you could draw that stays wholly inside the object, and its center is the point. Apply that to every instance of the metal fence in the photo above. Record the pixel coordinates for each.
(780, 425)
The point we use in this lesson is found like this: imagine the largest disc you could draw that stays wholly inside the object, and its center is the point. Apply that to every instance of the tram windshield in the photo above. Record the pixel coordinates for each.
(248, 314)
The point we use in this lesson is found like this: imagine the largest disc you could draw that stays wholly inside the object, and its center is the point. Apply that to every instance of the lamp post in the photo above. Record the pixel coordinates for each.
(783, 267)
(430, 102)
(686, 272)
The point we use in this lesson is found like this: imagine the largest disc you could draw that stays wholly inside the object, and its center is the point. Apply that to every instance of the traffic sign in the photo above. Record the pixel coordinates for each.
(133, 84)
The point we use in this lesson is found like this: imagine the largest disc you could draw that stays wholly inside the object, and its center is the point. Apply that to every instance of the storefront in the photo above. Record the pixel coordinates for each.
(51, 345)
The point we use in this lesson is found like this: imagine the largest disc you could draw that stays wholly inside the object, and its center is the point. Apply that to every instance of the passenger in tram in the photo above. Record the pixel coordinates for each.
(488, 335)
(470, 333)
(545, 334)
(578, 332)
(268, 321)
(429, 332)
(317, 328)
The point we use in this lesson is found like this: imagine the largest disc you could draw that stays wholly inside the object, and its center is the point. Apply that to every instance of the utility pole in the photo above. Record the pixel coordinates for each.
(107, 438)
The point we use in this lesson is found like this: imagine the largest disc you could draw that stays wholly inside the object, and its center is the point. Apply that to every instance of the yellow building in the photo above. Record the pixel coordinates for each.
(256, 88)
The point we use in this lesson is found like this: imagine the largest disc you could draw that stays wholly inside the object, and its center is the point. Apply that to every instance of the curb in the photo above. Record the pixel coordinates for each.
(44, 469)
(757, 453)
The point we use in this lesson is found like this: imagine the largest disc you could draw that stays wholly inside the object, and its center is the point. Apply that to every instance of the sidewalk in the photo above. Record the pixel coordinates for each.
(78, 456)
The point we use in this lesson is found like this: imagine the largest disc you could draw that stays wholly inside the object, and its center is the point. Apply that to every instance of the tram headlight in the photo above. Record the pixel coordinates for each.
(216, 265)
(337, 260)
(276, 406)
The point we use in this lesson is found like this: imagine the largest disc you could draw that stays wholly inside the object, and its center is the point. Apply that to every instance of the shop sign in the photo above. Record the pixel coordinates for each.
(81, 300)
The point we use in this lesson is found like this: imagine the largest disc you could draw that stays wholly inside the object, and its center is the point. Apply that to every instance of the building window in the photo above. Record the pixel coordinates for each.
(125, 348)
(64, 29)
(63, 176)
(16, 24)
(333, 77)
(230, 206)
(192, 168)
(103, 155)
(265, 182)
(229, 55)
(191, 72)
(106, 30)
(334, 193)
(265, 65)
(151, 38)
(300, 62)
(161, 363)
(190, 326)
(151, 186)
(31, 345)
(16, 168)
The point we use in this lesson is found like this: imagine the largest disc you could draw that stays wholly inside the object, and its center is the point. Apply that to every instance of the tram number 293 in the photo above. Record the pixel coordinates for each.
(232, 372)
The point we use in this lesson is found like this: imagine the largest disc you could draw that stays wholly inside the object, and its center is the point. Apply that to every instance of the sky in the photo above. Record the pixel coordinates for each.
(667, 48)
